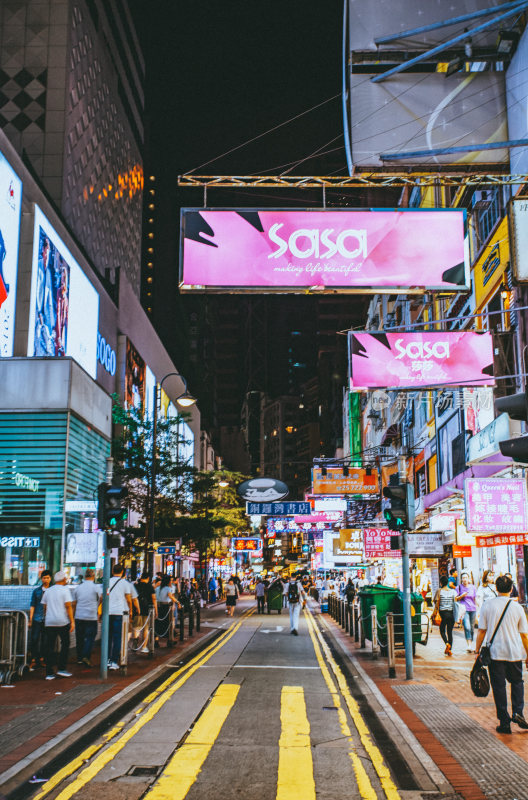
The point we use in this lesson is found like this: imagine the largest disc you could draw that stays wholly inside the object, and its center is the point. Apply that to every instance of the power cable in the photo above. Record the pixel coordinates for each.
(313, 154)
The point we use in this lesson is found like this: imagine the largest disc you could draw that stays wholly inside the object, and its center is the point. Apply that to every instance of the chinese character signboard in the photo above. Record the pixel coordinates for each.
(496, 505)
(495, 541)
(279, 509)
(378, 543)
(246, 545)
(358, 481)
(421, 358)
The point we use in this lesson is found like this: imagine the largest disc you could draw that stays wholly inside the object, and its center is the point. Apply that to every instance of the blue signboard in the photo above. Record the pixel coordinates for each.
(285, 509)
(166, 551)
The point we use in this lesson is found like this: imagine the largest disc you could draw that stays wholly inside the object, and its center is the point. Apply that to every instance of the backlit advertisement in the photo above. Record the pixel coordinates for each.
(64, 306)
(135, 374)
(343, 250)
(10, 203)
(420, 359)
(331, 480)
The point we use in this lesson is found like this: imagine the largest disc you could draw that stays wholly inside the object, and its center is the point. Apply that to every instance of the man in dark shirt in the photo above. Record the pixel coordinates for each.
(146, 598)
(36, 620)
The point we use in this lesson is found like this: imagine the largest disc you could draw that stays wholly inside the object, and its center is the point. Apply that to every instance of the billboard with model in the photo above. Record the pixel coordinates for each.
(10, 204)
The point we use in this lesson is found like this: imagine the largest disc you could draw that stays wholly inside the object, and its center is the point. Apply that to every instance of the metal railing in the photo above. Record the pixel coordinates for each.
(385, 639)
(14, 630)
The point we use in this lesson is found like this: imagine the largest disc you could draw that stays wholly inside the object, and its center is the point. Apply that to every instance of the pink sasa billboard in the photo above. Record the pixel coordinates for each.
(226, 250)
(419, 359)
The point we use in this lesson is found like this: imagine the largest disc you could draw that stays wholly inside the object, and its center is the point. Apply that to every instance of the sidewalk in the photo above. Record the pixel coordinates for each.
(41, 719)
(454, 727)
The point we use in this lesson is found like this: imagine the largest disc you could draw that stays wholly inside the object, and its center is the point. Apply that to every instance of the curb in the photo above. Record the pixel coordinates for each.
(41, 758)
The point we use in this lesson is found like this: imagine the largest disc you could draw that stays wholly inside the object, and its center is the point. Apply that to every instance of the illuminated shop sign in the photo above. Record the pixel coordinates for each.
(105, 355)
(246, 545)
(20, 541)
(26, 482)
(350, 251)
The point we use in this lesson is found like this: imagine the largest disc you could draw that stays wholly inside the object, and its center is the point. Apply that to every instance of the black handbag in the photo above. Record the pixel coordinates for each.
(480, 683)
(485, 650)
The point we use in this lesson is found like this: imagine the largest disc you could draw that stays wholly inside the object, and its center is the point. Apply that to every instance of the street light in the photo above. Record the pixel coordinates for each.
(185, 399)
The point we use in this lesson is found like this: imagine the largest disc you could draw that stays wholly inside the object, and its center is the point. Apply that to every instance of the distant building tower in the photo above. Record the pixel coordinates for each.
(71, 100)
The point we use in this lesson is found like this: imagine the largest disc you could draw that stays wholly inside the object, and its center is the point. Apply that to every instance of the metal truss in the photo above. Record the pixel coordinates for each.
(357, 181)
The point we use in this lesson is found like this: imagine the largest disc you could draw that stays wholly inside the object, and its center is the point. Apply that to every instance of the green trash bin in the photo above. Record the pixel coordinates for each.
(416, 618)
(274, 597)
(385, 599)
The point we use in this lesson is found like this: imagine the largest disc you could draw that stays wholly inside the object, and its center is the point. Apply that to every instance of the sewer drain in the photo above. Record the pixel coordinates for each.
(330, 708)
(143, 771)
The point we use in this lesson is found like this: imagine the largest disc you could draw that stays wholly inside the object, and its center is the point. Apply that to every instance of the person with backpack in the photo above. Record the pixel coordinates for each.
(296, 596)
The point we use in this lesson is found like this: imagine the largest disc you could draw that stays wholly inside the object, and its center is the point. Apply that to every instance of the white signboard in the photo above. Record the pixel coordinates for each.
(486, 442)
(81, 548)
(426, 544)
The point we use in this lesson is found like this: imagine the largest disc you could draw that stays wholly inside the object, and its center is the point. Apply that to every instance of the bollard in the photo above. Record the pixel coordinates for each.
(151, 632)
(191, 620)
(356, 623)
(361, 632)
(374, 626)
(170, 629)
(347, 617)
(391, 660)
(340, 611)
(124, 643)
(198, 618)
(182, 622)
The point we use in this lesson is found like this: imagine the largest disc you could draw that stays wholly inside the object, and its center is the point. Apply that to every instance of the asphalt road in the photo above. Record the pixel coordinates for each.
(259, 713)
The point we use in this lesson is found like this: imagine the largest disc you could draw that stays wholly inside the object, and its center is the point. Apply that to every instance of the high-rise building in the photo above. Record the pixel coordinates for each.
(71, 101)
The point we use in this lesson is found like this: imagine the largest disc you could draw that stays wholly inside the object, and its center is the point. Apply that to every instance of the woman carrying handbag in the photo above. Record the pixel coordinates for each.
(444, 605)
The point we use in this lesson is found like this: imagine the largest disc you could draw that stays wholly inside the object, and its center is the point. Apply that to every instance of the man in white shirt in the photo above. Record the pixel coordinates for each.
(119, 602)
(296, 599)
(58, 621)
(508, 650)
(87, 597)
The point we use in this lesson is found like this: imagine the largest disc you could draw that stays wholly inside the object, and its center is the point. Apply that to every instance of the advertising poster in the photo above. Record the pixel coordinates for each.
(10, 205)
(420, 359)
(353, 251)
(332, 481)
(134, 378)
(81, 548)
(496, 505)
(64, 306)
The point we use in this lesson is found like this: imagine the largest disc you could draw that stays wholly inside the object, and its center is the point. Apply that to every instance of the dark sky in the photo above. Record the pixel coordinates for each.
(223, 71)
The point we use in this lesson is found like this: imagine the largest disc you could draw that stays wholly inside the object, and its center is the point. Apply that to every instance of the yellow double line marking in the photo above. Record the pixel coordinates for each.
(365, 786)
(163, 693)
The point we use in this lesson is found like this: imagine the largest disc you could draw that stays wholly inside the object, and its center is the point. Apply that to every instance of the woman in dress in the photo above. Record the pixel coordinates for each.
(445, 606)
(231, 593)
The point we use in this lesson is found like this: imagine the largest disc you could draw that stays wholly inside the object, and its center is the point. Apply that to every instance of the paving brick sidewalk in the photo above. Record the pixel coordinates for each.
(456, 728)
(33, 711)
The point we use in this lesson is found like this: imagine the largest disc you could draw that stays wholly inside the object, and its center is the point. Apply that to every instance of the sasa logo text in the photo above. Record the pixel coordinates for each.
(310, 243)
(422, 349)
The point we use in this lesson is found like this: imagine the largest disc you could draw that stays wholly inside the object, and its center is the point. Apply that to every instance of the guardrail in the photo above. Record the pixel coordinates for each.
(385, 639)
(14, 630)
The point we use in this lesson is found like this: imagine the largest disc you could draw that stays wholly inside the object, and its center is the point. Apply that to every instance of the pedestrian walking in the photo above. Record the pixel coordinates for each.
(504, 627)
(486, 591)
(167, 601)
(58, 624)
(146, 598)
(445, 606)
(86, 599)
(212, 589)
(260, 591)
(514, 592)
(452, 581)
(36, 621)
(119, 603)
(220, 588)
(296, 600)
(350, 592)
(466, 597)
(231, 592)
(285, 583)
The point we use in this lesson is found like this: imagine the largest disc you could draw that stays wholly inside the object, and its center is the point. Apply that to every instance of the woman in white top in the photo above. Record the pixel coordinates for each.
(486, 591)
(444, 604)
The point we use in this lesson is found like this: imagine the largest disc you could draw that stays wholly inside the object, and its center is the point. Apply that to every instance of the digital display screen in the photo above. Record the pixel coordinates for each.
(10, 205)
(64, 307)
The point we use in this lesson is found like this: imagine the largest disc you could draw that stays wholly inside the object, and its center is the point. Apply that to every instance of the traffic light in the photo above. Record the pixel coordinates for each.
(112, 513)
(516, 406)
(400, 514)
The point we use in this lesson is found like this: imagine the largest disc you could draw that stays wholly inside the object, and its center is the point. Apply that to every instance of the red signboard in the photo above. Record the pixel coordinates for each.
(461, 551)
(378, 543)
(246, 545)
(502, 538)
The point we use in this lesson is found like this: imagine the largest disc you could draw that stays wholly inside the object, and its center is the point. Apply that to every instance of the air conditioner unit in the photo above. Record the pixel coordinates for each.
(481, 199)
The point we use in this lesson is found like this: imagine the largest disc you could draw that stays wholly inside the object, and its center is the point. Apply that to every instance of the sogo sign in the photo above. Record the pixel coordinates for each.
(105, 355)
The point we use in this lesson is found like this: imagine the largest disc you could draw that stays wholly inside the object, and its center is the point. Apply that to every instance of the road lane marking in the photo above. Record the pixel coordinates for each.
(269, 666)
(186, 764)
(295, 778)
(372, 749)
(165, 692)
(365, 787)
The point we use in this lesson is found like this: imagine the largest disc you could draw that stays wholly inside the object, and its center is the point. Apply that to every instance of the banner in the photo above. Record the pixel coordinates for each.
(10, 208)
(420, 359)
(495, 505)
(378, 543)
(495, 541)
(358, 481)
(352, 251)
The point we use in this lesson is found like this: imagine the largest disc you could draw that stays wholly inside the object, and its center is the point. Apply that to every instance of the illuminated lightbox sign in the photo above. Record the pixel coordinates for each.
(350, 251)
(246, 545)
(496, 505)
(420, 358)
(10, 204)
(64, 306)
(20, 541)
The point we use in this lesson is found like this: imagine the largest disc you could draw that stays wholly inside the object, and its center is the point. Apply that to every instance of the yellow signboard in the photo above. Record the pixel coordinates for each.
(349, 544)
(488, 271)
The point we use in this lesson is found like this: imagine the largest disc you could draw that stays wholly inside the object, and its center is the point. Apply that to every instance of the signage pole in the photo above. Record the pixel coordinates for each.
(105, 619)
(407, 621)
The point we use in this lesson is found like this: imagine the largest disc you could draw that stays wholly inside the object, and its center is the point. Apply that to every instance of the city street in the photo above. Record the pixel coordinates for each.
(259, 711)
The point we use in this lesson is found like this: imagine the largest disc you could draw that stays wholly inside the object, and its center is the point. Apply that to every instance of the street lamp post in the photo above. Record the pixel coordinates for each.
(186, 400)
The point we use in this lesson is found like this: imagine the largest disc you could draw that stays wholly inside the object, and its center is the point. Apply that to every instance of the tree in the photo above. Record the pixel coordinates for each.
(132, 453)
